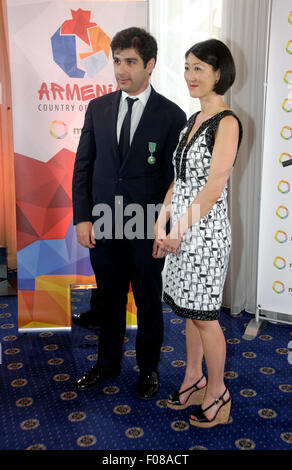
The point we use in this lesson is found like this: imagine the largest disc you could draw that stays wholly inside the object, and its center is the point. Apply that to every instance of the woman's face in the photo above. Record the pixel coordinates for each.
(200, 77)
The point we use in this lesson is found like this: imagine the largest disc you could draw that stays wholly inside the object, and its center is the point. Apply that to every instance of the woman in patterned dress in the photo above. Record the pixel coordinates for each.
(199, 241)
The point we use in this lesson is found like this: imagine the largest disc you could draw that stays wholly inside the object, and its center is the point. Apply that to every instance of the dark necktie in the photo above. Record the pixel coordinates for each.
(124, 142)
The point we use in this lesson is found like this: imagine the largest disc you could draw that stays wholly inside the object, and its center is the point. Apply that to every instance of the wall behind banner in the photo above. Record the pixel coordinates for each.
(60, 59)
(275, 241)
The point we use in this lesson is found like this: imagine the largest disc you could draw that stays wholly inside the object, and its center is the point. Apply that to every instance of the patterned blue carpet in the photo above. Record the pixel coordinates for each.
(41, 410)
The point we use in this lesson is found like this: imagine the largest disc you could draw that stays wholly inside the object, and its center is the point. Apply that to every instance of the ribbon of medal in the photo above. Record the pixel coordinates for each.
(151, 147)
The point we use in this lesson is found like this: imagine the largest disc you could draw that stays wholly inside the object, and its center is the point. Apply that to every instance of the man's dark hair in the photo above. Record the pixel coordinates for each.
(216, 54)
(138, 39)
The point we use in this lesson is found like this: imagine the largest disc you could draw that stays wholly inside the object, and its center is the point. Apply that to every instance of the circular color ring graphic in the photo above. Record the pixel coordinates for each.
(284, 154)
(282, 212)
(279, 262)
(284, 184)
(60, 123)
(281, 236)
(286, 79)
(278, 287)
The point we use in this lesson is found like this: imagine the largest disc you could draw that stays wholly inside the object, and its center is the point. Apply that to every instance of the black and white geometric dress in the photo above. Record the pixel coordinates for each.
(195, 275)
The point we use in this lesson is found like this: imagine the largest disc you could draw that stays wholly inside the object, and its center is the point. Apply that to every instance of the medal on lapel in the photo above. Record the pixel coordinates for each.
(151, 147)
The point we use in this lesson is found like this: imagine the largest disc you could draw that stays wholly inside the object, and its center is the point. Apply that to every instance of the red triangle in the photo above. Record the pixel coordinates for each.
(59, 230)
(35, 215)
(42, 195)
(30, 174)
(78, 25)
(54, 217)
(62, 160)
(60, 199)
(23, 223)
(66, 184)
(25, 239)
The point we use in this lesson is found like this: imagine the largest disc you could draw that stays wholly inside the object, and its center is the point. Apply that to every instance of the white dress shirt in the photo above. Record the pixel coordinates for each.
(137, 110)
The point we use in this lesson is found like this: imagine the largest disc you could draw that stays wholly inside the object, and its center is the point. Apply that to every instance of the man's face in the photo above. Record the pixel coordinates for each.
(131, 75)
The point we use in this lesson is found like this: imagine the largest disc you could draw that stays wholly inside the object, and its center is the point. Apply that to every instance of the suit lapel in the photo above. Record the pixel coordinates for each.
(147, 116)
(110, 120)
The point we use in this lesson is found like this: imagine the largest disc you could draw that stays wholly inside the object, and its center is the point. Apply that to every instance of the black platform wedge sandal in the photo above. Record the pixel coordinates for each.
(221, 416)
(195, 397)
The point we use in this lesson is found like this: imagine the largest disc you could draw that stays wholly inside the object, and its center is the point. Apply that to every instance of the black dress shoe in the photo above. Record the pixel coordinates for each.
(94, 376)
(148, 385)
(85, 319)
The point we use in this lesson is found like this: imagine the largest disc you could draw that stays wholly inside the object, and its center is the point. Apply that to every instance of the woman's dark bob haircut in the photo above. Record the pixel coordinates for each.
(216, 54)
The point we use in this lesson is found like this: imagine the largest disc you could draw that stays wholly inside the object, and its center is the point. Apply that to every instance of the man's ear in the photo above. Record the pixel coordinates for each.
(150, 65)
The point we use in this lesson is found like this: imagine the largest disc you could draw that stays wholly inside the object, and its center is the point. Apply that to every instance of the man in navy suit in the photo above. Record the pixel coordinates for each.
(124, 157)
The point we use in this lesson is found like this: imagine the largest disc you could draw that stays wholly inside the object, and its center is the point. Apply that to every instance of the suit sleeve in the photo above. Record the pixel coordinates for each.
(83, 170)
(178, 122)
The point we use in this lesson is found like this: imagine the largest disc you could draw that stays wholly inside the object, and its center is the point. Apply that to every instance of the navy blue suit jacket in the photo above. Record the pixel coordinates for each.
(99, 176)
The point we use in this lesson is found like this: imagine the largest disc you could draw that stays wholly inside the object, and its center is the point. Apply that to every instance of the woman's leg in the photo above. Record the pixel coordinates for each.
(194, 360)
(214, 347)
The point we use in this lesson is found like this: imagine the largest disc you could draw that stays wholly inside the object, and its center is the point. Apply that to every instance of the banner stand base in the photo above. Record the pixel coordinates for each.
(61, 329)
(261, 319)
(253, 328)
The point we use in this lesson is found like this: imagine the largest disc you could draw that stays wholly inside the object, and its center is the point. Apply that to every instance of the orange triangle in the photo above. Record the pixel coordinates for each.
(25, 301)
(47, 310)
(99, 41)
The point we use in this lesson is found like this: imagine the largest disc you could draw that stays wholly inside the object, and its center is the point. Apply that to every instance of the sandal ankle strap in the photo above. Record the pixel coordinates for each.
(192, 386)
(198, 381)
(216, 401)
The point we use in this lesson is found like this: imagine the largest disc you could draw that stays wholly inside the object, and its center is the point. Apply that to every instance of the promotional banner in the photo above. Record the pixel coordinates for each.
(275, 241)
(60, 59)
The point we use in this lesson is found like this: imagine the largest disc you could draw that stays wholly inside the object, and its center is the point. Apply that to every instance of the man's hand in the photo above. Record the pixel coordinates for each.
(157, 251)
(160, 235)
(85, 234)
